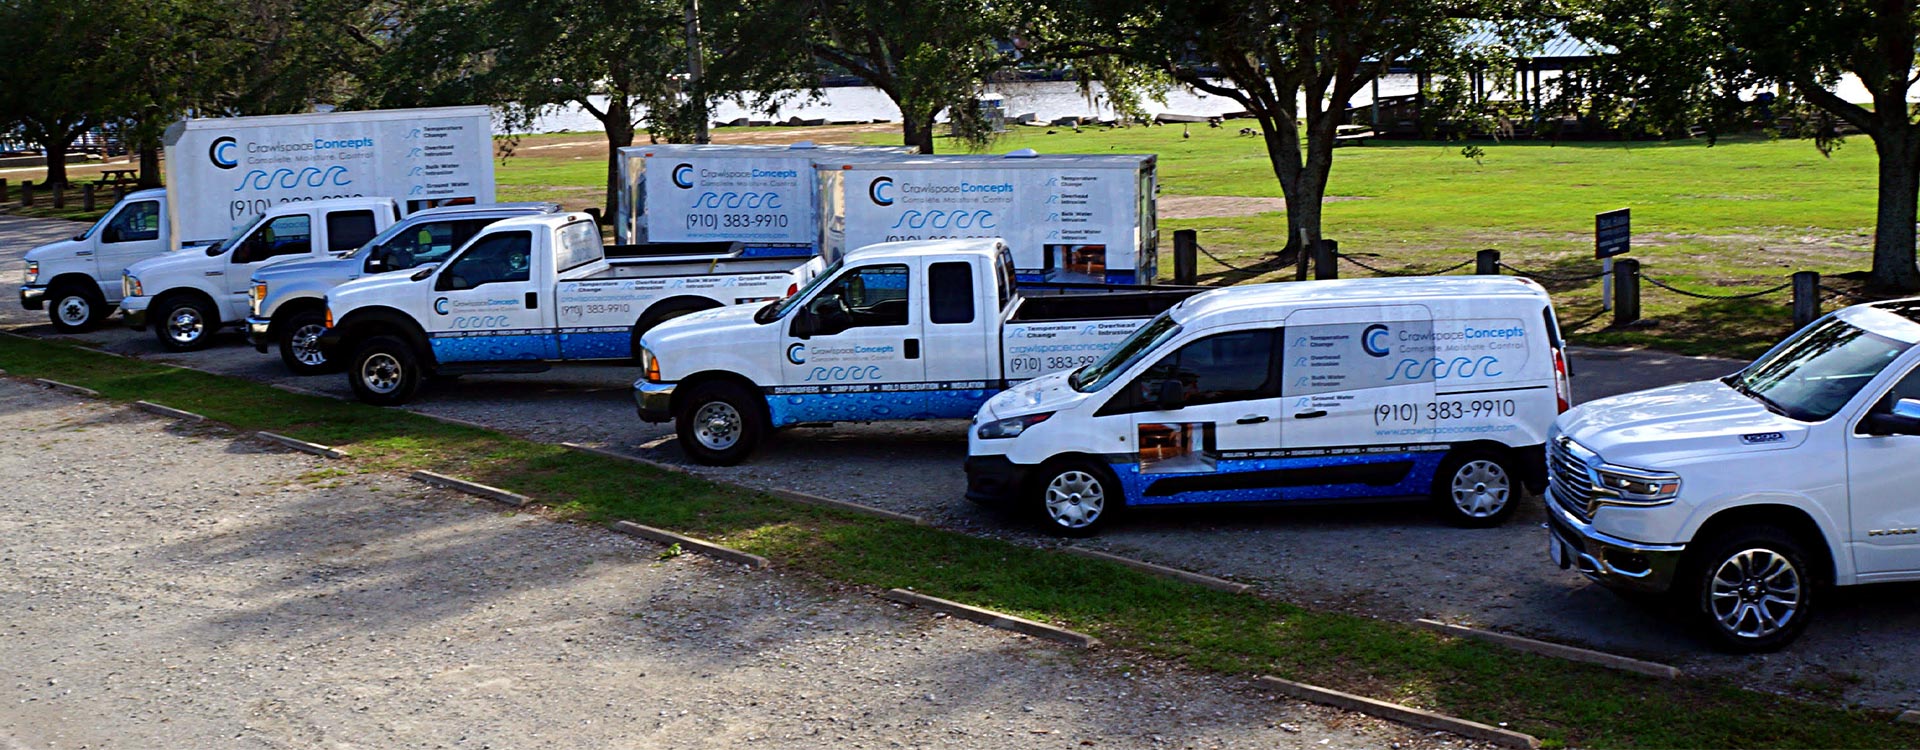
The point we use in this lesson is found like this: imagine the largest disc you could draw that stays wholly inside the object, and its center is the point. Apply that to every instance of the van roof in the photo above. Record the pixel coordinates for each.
(1356, 291)
(998, 161)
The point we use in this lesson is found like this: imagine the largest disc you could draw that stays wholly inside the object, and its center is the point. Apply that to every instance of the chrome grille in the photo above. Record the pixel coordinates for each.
(1571, 481)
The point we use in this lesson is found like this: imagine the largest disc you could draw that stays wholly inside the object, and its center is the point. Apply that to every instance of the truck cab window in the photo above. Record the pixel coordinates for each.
(286, 235)
(1225, 367)
(950, 297)
(506, 256)
(863, 297)
(427, 243)
(138, 222)
(347, 230)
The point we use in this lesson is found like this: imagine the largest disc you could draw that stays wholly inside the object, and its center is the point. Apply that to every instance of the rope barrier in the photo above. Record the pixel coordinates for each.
(1231, 267)
(1551, 277)
(1385, 272)
(1698, 295)
(1844, 293)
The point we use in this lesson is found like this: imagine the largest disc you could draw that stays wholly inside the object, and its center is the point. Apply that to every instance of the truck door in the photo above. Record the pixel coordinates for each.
(132, 235)
(1212, 447)
(958, 343)
(1881, 473)
(488, 306)
(854, 350)
(275, 239)
(1360, 381)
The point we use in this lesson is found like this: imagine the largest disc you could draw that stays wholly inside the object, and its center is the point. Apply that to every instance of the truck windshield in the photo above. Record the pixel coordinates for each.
(778, 308)
(241, 232)
(1811, 376)
(1096, 376)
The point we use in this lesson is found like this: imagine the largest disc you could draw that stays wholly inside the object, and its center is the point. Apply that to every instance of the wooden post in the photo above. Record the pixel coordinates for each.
(594, 211)
(1186, 257)
(1806, 298)
(60, 195)
(26, 193)
(119, 191)
(86, 197)
(1626, 291)
(3, 189)
(1487, 262)
(1326, 260)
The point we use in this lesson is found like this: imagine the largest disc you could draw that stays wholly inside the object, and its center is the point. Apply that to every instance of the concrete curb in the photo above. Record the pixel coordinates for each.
(701, 546)
(802, 497)
(297, 390)
(324, 451)
(1544, 648)
(618, 456)
(168, 411)
(1402, 714)
(472, 488)
(991, 618)
(455, 422)
(68, 387)
(1908, 716)
(1217, 584)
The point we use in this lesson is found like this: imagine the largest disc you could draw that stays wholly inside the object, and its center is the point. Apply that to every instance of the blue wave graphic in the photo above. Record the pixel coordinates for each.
(943, 219)
(1440, 369)
(732, 199)
(260, 179)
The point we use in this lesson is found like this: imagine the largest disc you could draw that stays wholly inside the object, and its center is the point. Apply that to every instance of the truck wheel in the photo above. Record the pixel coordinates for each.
(76, 308)
(720, 424)
(1076, 498)
(300, 343)
(1476, 489)
(183, 323)
(1748, 590)
(384, 371)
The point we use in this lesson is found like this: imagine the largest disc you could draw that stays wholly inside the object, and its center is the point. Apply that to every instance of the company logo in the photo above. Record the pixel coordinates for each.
(1374, 340)
(940, 219)
(881, 191)
(683, 176)
(440, 305)
(797, 354)
(1756, 438)
(221, 152)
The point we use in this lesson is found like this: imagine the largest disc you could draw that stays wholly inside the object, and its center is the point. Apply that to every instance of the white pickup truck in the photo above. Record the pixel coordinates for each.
(1744, 499)
(529, 291)
(78, 279)
(926, 329)
(190, 293)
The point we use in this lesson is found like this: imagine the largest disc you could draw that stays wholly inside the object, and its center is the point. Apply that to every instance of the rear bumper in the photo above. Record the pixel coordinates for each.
(1607, 560)
(33, 297)
(994, 480)
(654, 400)
(259, 332)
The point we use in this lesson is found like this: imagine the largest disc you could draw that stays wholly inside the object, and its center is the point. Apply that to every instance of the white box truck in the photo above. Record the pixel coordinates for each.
(223, 173)
(760, 196)
(1072, 218)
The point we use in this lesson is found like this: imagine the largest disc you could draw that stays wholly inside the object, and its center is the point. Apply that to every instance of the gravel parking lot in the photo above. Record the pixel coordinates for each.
(1390, 561)
(173, 586)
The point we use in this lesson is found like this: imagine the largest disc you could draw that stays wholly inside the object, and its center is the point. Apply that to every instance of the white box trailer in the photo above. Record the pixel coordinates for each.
(222, 172)
(1067, 217)
(759, 195)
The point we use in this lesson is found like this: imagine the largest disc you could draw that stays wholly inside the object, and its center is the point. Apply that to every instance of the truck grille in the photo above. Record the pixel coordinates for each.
(1569, 478)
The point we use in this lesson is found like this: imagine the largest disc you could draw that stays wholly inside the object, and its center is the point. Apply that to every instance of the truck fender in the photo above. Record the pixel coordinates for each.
(687, 385)
(1796, 513)
(358, 325)
(288, 307)
(668, 309)
(208, 297)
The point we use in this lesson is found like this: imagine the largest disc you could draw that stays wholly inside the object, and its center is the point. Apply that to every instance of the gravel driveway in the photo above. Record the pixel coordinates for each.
(1390, 561)
(171, 586)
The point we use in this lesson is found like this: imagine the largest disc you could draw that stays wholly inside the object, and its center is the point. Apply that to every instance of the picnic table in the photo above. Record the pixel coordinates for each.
(1355, 135)
(119, 176)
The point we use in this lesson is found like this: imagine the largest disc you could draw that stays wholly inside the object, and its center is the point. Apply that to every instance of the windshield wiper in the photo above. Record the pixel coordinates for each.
(1743, 389)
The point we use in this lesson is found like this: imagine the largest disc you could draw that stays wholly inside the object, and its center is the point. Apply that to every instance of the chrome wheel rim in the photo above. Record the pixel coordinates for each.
(1075, 499)
(74, 310)
(185, 326)
(717, 425)
(1755, 593)
(1481, 488)
(305, 343)
(381, 373)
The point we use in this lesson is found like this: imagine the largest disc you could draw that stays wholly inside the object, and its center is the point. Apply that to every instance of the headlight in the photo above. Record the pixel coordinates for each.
(1011, 426)
(650, 365)
(1637, 487)
(33, 271)
(129, 286)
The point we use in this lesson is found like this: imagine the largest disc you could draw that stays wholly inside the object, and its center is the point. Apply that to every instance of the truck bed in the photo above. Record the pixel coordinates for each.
(1069, 307)
(649, 268)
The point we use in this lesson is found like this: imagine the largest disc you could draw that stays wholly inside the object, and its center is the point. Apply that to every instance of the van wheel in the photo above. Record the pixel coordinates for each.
(720, 424)
(1476, 489)
(1748, 590)
(184, 322)
(384, 371)
(300, 343)
(1076, 498)
(76, 308)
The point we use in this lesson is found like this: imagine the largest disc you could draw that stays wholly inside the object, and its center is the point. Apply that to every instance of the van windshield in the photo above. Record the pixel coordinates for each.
(1811, 376)
(1096, 376)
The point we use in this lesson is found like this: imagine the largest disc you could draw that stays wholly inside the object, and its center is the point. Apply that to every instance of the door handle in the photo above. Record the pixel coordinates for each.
(83, 253)
(1310, 414)
(1251, 419)
(912, 348)
(533, 300)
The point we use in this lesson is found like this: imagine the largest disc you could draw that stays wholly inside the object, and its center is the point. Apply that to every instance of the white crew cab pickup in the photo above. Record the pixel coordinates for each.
(288, 301)
(927, 329)
(78, 279)
(1326, 391)
(192, 292)
(529, 291)
(1744, 498)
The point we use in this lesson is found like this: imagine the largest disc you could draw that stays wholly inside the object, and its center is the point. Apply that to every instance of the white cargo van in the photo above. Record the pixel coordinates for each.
(1291, 393)
(763, 197)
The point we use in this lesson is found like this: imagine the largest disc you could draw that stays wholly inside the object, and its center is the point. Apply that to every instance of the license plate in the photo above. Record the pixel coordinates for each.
(1558, 551)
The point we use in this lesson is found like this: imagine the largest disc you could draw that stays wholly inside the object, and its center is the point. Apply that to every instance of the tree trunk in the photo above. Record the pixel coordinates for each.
(1893, 237)
(149, 166)
(619, 126)
(57, 148)
(917, 131)
(1282, 135)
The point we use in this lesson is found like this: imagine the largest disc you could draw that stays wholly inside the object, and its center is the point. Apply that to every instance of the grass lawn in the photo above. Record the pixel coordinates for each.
(1565, 704)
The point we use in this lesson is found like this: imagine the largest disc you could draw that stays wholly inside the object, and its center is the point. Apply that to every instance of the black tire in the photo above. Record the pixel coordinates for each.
(1747, 590)
(721, 423)
(76, 308)
(1476, 489)
(299, 337)
(1075, 498)
(384, 371)
(183, 322)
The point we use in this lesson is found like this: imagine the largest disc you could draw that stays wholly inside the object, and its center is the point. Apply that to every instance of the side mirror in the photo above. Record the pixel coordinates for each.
(1173, 395)
(214, 250)
(1902, 419)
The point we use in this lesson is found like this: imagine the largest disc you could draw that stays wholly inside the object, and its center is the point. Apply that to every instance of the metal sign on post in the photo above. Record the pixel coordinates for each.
(1612, 235)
